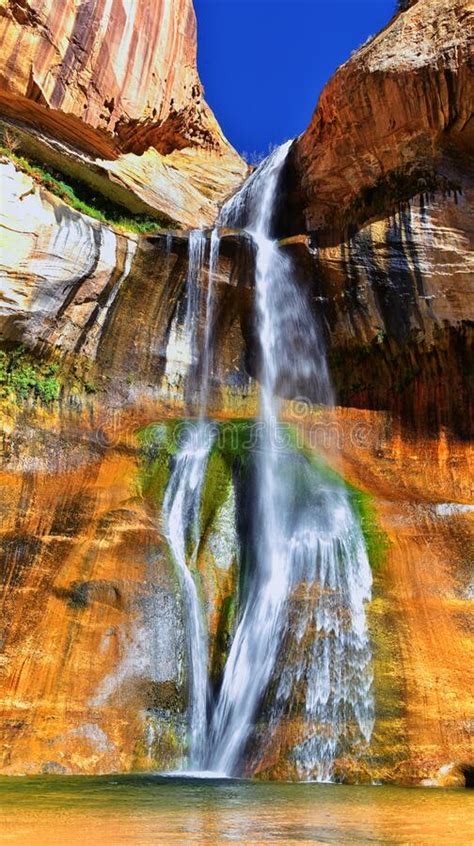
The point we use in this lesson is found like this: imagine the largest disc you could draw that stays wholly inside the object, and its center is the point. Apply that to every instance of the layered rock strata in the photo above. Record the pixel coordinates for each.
(394, 119)
(377, 214)
(111, 306)
(396, 300)
(382, 180)
(111, 81)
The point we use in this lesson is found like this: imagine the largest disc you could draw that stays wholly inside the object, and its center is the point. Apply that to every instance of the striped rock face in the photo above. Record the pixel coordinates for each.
(109, 301)
(104, 61)
(366, 133)
(108, 80)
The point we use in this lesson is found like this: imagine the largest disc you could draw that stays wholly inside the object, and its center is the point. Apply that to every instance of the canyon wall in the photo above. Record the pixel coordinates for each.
(109, 308)
(110, 91)
(94, 363)
(396, 298)
(382, 183)
(394, 121)
(106, 63)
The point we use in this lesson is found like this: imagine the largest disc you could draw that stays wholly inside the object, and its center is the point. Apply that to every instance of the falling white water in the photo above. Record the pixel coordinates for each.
(181, 351)
(196, 249)
(301, 645)
(183, 494)
(327, 650)
(303, 534)
(181, 526)
(208, 324)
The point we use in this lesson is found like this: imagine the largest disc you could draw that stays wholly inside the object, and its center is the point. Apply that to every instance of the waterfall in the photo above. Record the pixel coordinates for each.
(181, 522)
(310, 536)
(300, 644)
(208, 325)
(196, 252)
(183, 493)
(181, 350)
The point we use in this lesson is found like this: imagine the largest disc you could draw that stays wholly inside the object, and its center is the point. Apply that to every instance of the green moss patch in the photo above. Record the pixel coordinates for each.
(79, 196)
(376, 541)
(27, 375)
(215, 490)
(22, 376)
(158, 442)
(237, 438)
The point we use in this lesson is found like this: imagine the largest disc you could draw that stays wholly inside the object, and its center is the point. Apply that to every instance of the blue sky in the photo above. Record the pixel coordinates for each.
(263, 63)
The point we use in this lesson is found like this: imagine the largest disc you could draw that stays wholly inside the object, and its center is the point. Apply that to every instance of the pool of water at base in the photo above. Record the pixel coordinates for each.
(146, 810)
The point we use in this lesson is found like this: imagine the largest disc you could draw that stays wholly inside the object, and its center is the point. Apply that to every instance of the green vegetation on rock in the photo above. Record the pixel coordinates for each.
(237, 438)
(77, 194)
(376, 541)
(158, 442)
(215, 489)
(31, 376)
(23, 376)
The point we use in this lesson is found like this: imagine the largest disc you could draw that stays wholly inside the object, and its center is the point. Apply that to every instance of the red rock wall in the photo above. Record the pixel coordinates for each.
(107, 62)
(403, 101)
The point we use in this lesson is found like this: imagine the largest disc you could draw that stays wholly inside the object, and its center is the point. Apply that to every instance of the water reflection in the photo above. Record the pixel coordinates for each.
(157, 811)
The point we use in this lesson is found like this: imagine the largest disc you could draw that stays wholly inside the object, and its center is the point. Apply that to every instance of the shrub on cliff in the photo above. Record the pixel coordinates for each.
(21, 376)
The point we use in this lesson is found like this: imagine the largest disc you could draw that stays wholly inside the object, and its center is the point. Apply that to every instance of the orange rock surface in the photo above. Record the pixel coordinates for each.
(109, 63)
(84, 566)
(80, 571)
(112, 78)
(403, 102)
(421, 614)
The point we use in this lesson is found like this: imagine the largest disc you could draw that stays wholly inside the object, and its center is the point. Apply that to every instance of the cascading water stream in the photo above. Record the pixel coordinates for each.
(208, 325)
(255, 644)
(181, 521)
(310, 539)
(306, 539)
(183, 494)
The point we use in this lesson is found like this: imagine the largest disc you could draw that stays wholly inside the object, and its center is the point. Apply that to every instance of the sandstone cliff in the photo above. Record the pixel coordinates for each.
(396, 299)
(394, 120)
(383, 180)
(93, 674)
(109, 307)
(101, 83)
